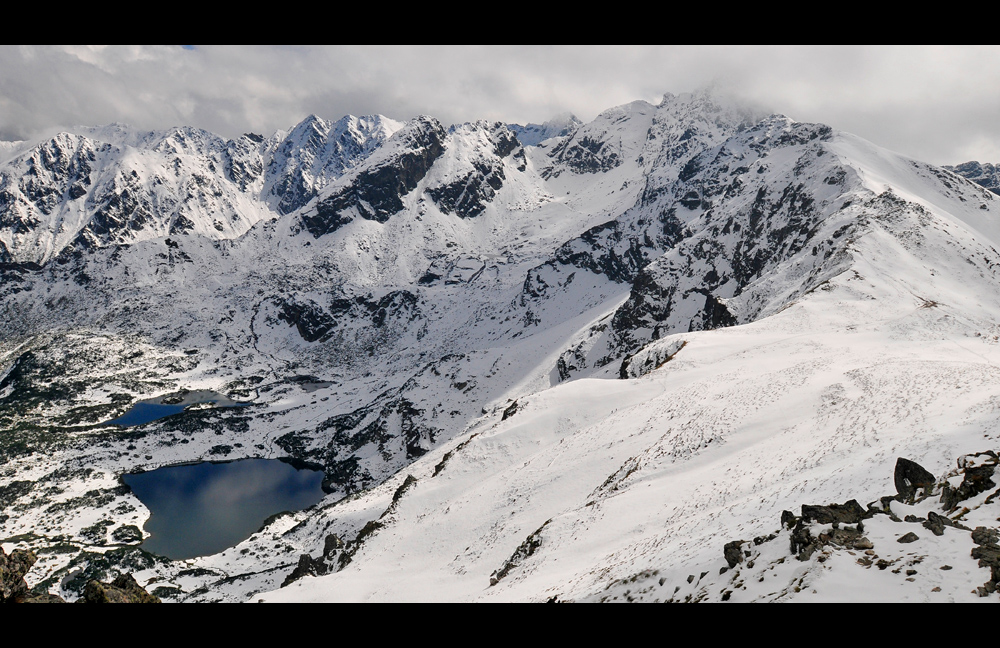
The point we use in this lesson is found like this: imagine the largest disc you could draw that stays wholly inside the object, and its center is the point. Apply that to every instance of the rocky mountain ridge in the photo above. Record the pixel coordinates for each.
(985, 175)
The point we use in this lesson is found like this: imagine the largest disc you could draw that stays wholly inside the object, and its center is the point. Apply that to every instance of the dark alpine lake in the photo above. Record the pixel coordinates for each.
(202, 509)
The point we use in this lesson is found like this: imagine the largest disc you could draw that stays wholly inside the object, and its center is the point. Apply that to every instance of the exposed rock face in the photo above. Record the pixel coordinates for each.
(337, 554)
(523, 552)
(848, 513)
(317, 152)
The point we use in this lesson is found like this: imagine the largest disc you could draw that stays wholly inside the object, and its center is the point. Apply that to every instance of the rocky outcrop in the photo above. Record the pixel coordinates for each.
(337, 554)
(317, 152)
(13, 588)
(977, 471)
(309, 318)
(123, 589)
(522, 553)
(987, 551)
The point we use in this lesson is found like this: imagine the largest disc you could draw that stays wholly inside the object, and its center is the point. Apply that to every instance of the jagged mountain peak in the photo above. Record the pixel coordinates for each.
(187, 140)
(316, 152)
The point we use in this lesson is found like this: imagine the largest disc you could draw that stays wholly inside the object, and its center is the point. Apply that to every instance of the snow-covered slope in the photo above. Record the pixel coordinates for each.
(559, 368)
(603, 488)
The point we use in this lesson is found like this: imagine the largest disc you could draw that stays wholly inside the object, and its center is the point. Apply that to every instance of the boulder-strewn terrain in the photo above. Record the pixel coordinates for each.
(563, 361)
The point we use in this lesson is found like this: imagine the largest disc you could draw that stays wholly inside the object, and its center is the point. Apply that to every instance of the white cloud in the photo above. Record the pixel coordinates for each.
(934, 103)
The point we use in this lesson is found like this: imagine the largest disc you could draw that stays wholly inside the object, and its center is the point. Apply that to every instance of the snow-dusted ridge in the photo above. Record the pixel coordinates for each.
(547, 369)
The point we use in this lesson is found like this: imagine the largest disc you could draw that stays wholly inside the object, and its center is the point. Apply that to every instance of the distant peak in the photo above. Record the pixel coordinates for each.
(558, 126)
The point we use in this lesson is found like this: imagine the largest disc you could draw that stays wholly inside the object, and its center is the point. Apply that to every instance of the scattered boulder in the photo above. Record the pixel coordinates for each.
(907, 538)
(909, 476)
(733, 553)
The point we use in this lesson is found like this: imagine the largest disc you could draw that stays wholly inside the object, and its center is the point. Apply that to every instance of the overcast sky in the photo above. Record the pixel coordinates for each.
(938, 104)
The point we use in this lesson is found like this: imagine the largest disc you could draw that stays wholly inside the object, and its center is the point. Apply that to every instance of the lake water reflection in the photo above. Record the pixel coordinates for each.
(202, 509)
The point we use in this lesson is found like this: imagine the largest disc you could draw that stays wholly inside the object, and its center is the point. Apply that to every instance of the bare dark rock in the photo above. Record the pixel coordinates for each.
(987, 552)
(42, 598)
(847, 513)
(909, 537)
(909, 476)
(376, 193)
(522, 553)
(732, 552)
(977, 473)
(307, 566)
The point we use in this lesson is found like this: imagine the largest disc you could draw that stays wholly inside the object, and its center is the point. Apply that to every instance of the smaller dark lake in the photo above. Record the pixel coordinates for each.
(202, 509)
(145, 411)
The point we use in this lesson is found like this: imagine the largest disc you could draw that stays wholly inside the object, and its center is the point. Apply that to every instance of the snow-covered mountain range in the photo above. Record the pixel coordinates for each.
(563, 361)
